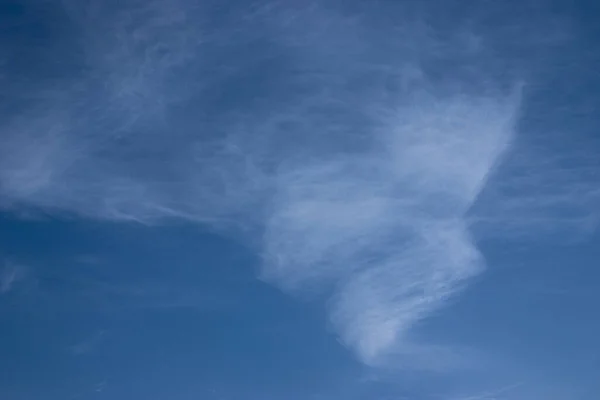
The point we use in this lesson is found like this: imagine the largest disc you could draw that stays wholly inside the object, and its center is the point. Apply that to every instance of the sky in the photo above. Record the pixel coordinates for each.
(316, 200)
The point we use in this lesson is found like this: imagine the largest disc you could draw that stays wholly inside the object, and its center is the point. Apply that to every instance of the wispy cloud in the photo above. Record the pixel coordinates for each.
(496, 394)
(354, 174)
(386, 226)
(89, 344)
(10, 274)
(546, 186)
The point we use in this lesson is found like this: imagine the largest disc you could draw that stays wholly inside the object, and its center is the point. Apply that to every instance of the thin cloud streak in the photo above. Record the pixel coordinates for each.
(10, 275)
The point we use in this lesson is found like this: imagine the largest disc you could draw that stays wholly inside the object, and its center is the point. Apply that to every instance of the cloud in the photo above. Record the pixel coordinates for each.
(387, 226)
(10, 275)
(89, 344)
(494, 394)
(545, 187)
(353, 174)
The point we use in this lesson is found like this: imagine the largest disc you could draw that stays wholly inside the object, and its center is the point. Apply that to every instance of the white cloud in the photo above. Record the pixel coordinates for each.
(386, 225)
(358, 175)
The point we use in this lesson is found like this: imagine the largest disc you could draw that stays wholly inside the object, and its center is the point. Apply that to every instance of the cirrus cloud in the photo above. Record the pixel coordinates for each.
(351, 168)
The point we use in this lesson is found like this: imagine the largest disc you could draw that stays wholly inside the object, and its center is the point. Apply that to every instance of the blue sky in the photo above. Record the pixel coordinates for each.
(299, 200)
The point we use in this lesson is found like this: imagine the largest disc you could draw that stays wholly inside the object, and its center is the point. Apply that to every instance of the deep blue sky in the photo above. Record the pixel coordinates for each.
(325, 200)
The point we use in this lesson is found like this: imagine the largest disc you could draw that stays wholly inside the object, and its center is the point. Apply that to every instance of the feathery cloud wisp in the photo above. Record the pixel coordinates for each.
(10, 274)
(357, 174)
